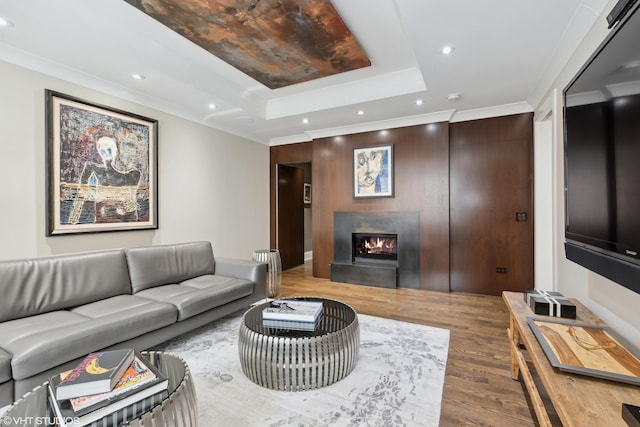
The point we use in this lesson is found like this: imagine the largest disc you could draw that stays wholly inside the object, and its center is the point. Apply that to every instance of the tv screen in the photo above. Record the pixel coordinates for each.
(602, 158)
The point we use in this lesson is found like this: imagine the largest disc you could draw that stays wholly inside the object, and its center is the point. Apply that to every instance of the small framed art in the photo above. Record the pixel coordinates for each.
(307, 193)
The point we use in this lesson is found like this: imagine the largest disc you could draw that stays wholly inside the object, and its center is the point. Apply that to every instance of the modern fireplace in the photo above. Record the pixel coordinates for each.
(374, 247)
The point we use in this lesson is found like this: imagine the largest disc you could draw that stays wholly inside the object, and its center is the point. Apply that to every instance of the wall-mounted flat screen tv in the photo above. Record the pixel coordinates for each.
(602, 158)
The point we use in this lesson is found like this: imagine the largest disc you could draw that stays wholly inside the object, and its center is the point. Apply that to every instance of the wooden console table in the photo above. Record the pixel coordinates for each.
(578, 400)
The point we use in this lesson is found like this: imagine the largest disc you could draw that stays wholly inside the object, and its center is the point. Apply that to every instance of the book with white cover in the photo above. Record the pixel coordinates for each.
(289, 324)
(293, 310)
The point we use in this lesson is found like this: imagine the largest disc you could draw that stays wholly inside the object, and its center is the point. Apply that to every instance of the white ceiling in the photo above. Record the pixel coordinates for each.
(505, 53)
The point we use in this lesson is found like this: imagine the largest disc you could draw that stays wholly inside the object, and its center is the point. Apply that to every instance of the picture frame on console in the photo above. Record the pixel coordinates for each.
(101, 167)
(373, 171)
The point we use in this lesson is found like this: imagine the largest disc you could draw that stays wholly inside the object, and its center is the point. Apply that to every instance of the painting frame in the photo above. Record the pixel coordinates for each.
(373, 171)
(306, 196)
(101, 167)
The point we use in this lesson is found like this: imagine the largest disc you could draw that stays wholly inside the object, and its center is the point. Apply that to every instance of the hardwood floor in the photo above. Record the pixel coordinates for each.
(478, 388)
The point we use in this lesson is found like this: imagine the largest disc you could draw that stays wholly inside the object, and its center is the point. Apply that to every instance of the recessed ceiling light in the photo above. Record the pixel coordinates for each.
(447, 50)
(138, 76)
(360, 113)
(212, 106)
(5, 22)
(418, 102)
(305, 121)
(454, 97)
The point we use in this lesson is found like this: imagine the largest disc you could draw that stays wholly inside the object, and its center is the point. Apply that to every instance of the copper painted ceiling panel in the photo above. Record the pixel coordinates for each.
(277, 42)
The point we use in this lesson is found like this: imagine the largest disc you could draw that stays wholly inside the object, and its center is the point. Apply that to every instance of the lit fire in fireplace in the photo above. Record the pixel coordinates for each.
(380, 245)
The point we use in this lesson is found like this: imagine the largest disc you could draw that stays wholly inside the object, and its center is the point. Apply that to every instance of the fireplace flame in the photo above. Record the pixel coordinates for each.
(379, 245)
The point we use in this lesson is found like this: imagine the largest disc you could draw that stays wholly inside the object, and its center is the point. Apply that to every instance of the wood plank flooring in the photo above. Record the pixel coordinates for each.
(478, 388)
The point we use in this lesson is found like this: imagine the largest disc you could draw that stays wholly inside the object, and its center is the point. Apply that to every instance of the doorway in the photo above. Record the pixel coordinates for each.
(293, 213)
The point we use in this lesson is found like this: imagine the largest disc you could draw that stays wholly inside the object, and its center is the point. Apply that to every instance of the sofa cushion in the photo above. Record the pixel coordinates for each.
(59, 282)
(5, 366)
(168, 264)
(197, 295)
(38, 343)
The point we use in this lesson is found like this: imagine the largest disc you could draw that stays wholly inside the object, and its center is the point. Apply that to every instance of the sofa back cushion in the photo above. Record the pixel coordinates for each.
(153, 266)
(39, 285)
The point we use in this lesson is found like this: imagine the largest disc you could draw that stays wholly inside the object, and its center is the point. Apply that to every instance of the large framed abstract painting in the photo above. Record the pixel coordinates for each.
(101, 167)
(373, 171)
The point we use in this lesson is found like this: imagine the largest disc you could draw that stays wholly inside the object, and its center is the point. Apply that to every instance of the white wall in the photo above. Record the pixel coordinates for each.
(615, 304)
(212, 185)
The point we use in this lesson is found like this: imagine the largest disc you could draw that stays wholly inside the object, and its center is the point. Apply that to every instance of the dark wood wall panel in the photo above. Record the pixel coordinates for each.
(421, 159)
(491, 178)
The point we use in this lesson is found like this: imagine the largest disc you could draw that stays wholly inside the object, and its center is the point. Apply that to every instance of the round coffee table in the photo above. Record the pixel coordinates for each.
(295, 360)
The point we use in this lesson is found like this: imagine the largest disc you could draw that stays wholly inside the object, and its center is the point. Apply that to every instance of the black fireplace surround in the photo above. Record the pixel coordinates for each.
(404, 226)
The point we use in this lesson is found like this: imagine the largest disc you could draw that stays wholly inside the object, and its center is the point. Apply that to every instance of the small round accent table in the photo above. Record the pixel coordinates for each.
(296, 360)
(271, 257)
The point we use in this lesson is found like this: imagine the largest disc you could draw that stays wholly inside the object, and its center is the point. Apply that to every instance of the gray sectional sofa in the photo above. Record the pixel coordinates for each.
(55, 310)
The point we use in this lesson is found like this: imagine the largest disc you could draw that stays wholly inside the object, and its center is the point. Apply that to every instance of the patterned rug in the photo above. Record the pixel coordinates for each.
(397, 381)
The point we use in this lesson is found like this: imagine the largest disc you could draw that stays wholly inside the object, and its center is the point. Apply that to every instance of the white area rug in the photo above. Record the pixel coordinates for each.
(397, 382)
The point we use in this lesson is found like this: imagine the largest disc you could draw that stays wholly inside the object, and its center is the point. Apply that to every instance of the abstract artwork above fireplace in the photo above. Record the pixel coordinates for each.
(277, 42)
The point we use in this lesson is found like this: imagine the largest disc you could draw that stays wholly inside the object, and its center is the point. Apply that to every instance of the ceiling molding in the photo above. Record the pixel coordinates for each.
(421, 119)
(495, 111)
(374, 88)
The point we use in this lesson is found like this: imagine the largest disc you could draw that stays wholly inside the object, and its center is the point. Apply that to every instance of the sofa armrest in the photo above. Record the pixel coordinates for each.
(244, 269)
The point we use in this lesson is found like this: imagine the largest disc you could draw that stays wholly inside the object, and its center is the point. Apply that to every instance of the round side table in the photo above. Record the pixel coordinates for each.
(271, 257)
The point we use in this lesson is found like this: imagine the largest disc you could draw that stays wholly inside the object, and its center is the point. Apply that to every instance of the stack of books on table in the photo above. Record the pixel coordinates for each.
(292, 314)
(107, 388)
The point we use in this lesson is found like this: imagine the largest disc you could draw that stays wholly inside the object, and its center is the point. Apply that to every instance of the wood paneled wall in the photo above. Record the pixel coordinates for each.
(421, 160)
(491, 179)
(482, 170)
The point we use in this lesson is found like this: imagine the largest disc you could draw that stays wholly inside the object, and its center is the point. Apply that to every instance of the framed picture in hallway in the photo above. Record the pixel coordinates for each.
(373, 171)
(101, 167)
(307, 193)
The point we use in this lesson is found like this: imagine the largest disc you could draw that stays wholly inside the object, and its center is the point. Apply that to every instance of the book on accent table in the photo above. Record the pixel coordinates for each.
(289, 324)
(141, 388)
(97, 373)
(140, 378)
(293, 310)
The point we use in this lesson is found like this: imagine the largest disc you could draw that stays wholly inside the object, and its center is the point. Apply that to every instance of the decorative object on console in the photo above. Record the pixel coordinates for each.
(550, 304)
(97, 373)
(373, 171)
(271, 257)
(591, 350)
(102, 167)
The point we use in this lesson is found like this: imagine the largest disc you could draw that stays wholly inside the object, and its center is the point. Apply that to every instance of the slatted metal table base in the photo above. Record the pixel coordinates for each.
(298, 363)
